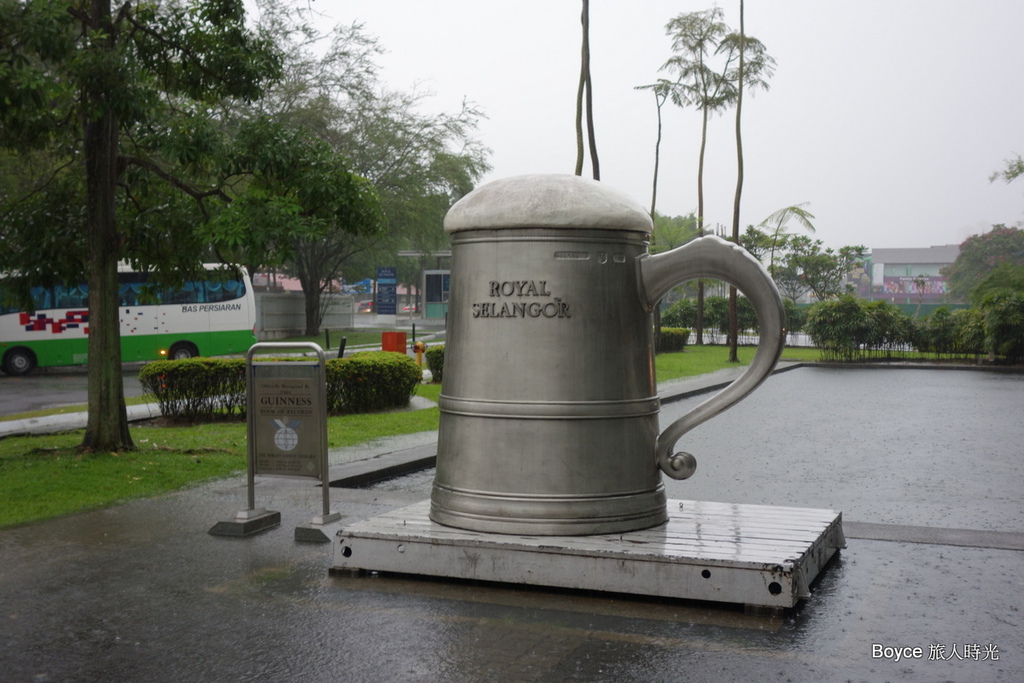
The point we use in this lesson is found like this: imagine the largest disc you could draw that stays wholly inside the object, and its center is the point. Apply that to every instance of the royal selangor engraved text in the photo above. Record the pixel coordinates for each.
(534, 309)
(520, 288)
(555, 308)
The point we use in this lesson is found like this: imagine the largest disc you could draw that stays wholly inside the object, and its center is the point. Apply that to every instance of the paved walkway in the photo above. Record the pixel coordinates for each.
(141, 592)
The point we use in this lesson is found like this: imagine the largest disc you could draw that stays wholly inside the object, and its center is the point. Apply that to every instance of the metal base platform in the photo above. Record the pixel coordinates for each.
(247, 523)
(755, 555)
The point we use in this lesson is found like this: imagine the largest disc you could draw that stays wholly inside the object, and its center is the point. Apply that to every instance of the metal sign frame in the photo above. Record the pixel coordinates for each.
(286, 406)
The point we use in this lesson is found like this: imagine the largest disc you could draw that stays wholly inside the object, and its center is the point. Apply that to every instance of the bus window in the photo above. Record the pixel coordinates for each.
(227, 290)
(76, 296)
(132, 288)
(190, 293)
(42, 297)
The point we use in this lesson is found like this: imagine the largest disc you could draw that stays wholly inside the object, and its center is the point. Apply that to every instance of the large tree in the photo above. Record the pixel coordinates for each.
(299, 200)
(292, 154)
(418, 163)
(90, 89)
(802, 266)
(982, 254)
(810, 267)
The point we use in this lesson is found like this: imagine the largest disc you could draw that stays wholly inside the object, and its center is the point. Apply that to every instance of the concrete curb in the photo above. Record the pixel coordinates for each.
(382, 467)
(49, 424)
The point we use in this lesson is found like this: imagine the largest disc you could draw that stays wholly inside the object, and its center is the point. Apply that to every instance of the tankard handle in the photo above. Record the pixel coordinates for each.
(713, 257)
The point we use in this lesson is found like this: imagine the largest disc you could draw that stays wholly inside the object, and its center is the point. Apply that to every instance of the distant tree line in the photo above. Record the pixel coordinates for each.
(989, 273)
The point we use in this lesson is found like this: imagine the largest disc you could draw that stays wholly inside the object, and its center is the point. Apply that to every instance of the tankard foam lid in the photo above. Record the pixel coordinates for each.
(547, 201)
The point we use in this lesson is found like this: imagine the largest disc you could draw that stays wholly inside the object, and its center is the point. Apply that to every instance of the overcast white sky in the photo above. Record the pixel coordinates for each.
(887, 117)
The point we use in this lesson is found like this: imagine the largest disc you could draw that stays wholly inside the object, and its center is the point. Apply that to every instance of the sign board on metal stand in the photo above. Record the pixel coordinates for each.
(387, 290)
(286, 403)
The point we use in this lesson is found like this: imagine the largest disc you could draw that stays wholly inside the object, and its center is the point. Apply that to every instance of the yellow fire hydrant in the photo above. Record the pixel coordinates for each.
(419, 347)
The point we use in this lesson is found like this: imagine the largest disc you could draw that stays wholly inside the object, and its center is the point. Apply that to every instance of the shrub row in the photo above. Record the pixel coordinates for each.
(197, 388)
(366, 382)
(200, 389)
(673, 339)
(683, 313)
(434, 356)
(848, 328)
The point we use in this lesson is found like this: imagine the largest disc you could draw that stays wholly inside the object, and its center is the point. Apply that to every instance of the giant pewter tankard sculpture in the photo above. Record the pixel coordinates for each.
(549, 409)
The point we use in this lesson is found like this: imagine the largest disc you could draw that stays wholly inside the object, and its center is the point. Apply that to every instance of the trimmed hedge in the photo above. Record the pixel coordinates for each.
(200, 389)
(375, 380)
(435, 362)
(673, 339)
(196, 388)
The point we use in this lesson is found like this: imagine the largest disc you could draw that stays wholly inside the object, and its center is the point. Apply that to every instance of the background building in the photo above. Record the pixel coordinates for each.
(909, 276)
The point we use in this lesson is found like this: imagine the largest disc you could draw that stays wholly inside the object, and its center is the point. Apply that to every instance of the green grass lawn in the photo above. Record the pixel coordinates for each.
(42, 477)
(700, 360)
(46, 476)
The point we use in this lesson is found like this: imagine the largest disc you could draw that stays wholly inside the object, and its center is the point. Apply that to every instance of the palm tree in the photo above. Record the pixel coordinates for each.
(778, 221)
(662, 89)
(755, 67)
(695, 39)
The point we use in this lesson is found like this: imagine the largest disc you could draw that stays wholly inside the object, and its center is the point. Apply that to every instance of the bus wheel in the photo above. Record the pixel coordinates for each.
(183, 351)
(19, 362)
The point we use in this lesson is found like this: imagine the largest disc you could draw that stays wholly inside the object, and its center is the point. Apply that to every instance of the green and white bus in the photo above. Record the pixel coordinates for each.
(211, 317)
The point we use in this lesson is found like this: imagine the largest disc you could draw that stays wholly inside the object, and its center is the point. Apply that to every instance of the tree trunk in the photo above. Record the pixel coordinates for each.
(733, 323)
(699, 321)
(308, 275)
(311, 272)
(311, 300)
(657, 158)
(654, 202)
(107, 426)
(579, 93)
(591, 140)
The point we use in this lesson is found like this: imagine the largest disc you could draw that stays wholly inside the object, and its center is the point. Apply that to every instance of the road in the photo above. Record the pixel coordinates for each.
(41, 390)
(56, 387)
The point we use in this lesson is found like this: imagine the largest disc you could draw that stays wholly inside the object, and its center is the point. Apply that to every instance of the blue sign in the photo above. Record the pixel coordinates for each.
(387, 290)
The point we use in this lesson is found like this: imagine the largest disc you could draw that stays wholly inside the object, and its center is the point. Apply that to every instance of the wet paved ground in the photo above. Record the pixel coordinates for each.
(919, 447)
(142, 592)
(901, 447)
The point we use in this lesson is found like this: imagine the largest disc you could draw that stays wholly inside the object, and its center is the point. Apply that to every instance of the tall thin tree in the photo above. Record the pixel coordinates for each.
(696, 37)
(585, 93)
(754, 67)
(661, 89)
